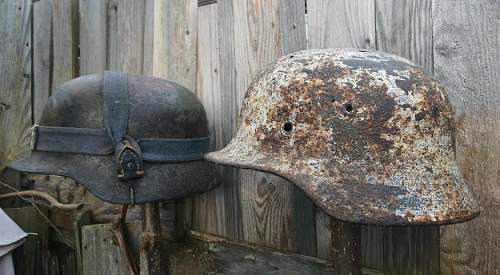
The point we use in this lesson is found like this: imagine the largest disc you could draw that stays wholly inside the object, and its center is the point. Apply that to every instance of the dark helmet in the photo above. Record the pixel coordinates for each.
(126, 138)
(367, 135)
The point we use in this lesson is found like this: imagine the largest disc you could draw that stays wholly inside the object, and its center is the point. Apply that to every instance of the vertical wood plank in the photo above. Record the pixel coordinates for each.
(229, 103)
(181, 35)
(207, 215)
(292, 26)
(82, 218)
(401, 250)
(125, 21)
(405, 28)
(323, 235)
(265, 199)
(93, 35)
(65, 50)
(100, 255)
(15, 87)
(341, 23)
(42, 55)
(155, 48)
(170, 38)
(218, 211)
(466, 54)
(249, 35)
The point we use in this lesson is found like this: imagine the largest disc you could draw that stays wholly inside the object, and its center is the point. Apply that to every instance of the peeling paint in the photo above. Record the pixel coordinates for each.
(372, 138)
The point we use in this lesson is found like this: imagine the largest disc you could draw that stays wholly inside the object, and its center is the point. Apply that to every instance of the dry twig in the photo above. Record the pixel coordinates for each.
(40, 212)
(53, 202)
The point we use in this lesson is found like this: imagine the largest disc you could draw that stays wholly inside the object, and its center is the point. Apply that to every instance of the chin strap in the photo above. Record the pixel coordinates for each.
(96, 142)
(115, 113)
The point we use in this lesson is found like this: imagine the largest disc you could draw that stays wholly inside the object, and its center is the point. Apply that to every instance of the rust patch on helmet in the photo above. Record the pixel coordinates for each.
(367, 135)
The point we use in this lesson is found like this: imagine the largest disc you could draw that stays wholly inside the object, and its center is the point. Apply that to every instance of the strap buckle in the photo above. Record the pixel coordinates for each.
(34, 137)
(129, 159)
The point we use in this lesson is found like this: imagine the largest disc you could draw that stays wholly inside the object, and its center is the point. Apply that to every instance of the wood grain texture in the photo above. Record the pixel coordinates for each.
(15, 87)
(42, 55)
(170, 37)
(65, 42)
(218, 211)
(82, 218)
(231, 258)
(229, 109)
(100, 255)
(323, 235)
(466, 56)
(93, 36)
(236, 40)
(405, 28)
(260, 37)
(155, 48)
(341, 23)
(181, 26)
(125, 48)
(401, 250)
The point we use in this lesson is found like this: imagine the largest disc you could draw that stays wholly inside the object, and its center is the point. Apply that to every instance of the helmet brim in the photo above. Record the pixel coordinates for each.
(161, 181)
(360, 202)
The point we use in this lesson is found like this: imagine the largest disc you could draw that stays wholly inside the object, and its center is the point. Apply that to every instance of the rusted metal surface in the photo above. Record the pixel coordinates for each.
(367, 135)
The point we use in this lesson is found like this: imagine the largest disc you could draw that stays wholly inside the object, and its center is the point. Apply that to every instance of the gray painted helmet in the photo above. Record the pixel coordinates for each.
(126, 138)
(368, 136)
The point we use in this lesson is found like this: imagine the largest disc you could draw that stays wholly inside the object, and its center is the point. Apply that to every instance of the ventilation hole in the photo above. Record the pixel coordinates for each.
(287, 128)
(348, 107)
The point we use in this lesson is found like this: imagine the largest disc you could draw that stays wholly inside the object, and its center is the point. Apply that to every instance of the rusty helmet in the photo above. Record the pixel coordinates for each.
(126, 138)
(368, 136)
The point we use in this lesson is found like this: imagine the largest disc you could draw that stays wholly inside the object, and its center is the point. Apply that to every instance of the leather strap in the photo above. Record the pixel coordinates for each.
(71, 140)
(115, 115)
(97, 142)
(115, 104)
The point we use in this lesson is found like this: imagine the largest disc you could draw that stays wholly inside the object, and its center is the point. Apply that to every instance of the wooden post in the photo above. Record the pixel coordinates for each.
(346, 239)
(152, 260)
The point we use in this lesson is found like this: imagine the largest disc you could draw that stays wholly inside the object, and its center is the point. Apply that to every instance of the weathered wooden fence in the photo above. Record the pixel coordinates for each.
(216, 47)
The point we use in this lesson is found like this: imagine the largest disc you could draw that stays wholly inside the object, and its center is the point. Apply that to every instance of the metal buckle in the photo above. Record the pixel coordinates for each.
(129, 159)
(34, 137)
